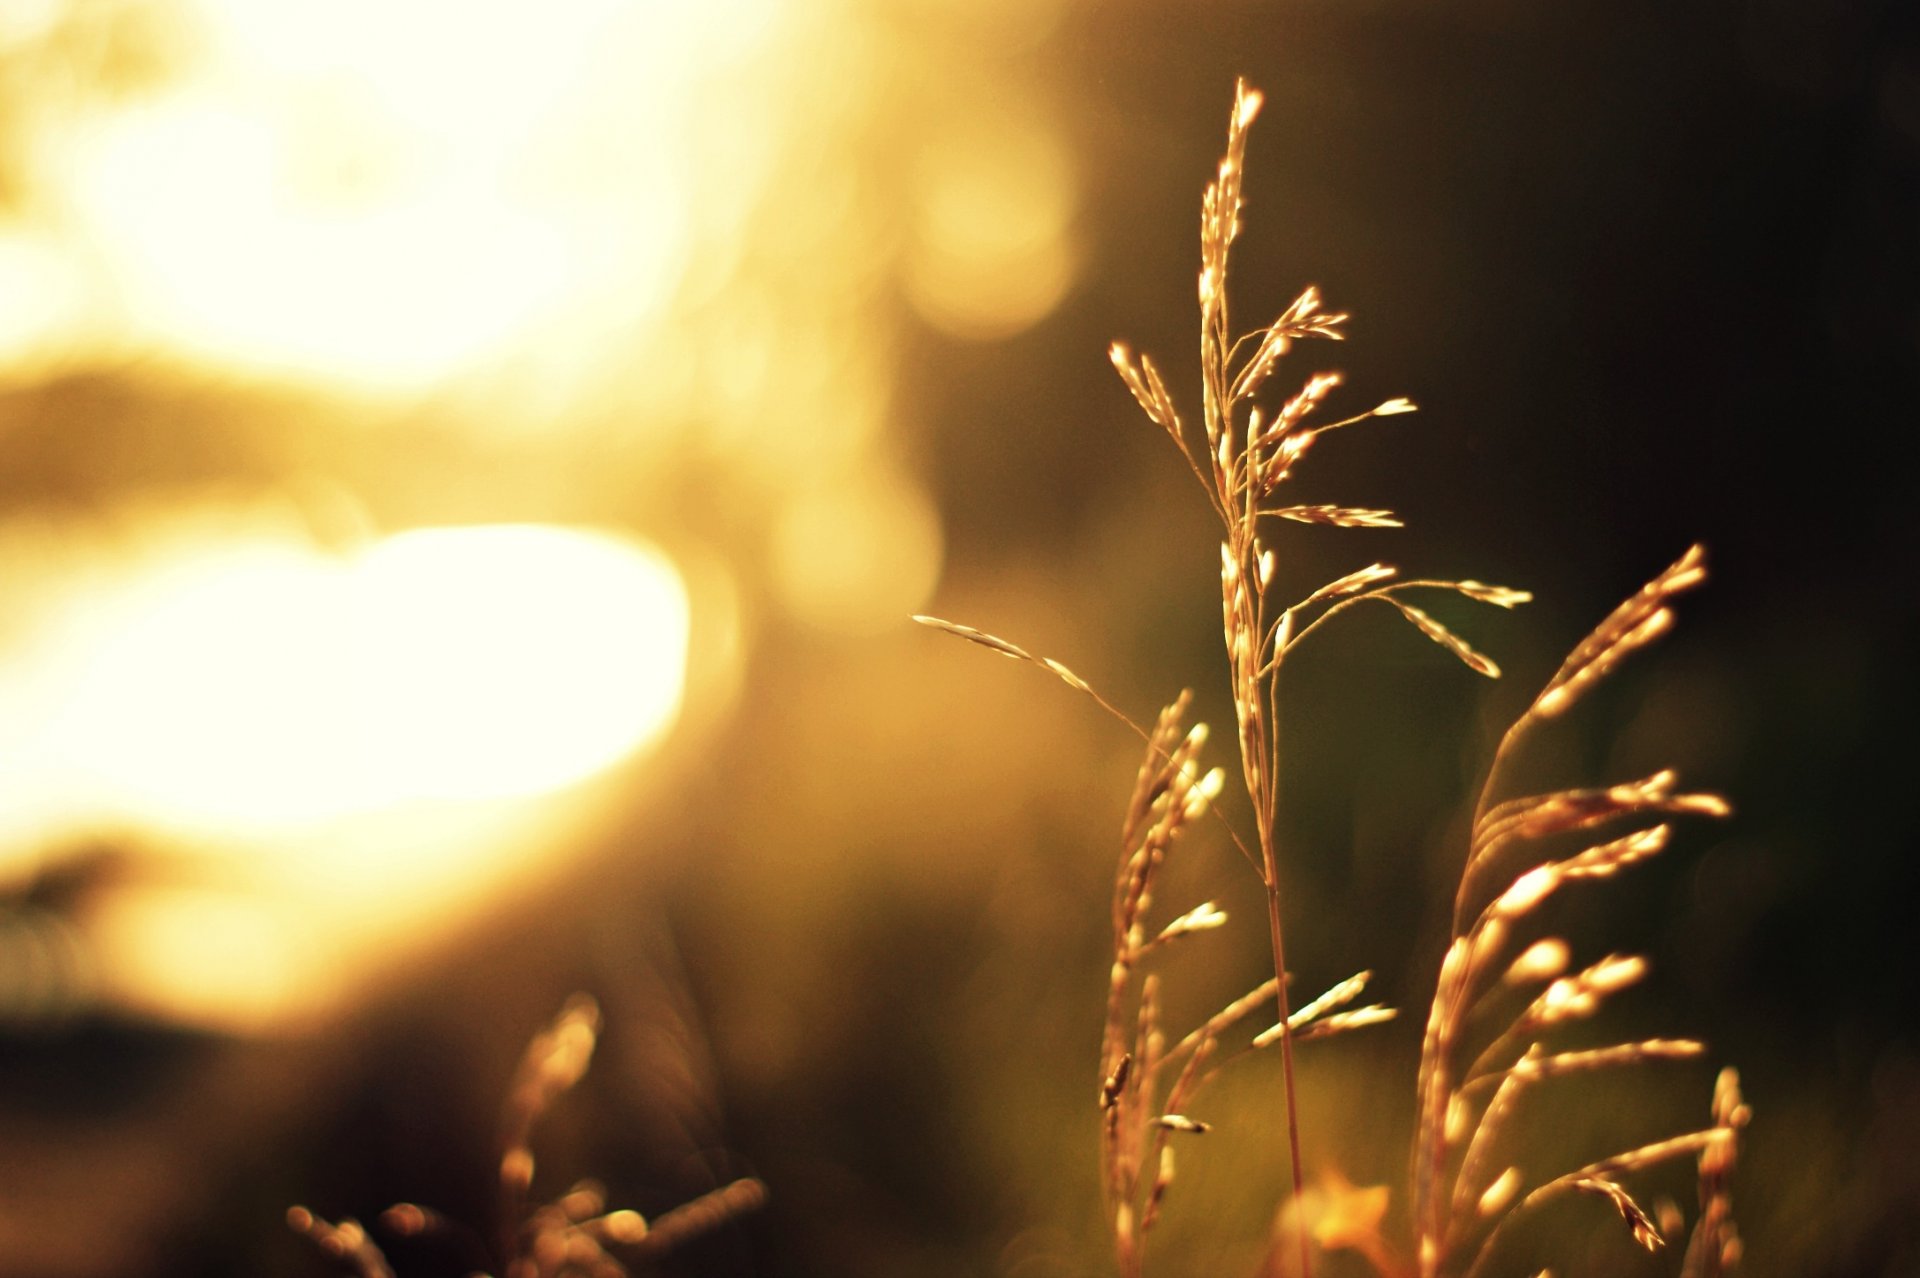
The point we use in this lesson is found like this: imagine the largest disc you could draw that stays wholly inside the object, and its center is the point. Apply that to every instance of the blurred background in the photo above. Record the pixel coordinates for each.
(465, 470)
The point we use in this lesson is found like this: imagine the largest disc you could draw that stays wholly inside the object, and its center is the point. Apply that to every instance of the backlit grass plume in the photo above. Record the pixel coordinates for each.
(1473, 1083)
(1243, 448)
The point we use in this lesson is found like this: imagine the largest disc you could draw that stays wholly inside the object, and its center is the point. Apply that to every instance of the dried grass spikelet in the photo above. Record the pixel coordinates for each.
(1635, 623)
(346, 1242)
(1202, 918)
(574, 1236)
(1602, 1179)
(1453, 643)
(1341, 1022)
(1517, 824)
(1302, 318)
(1340, 516)
(1015, 652)
(1468, 1098)
(1145, 1086)
(1148, 389)
(1494, 1198)
(690, 1220)
(1639, 1223)
(1715, 1248)
(553, 1062)
(1323, 1016)
(1541, 961)
(1555, 1064)
(1366, 586)
(1353, 582)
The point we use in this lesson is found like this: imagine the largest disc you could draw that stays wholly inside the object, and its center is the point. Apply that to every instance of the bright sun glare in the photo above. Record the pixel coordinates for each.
(380, 195)
(653, 223)
(267, 685)
(360, 749)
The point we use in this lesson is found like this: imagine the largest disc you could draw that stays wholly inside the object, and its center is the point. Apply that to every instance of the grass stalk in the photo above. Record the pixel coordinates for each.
(1470, 1084)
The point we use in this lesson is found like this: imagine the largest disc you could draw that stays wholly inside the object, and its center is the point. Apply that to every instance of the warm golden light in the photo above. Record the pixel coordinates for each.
(371, 195)
(552, 652)
(224, 251)
(661, 234)
(262, 685)
(994, 203)
(217, 958)
(853, 557)
(348, 753)
(276, 933)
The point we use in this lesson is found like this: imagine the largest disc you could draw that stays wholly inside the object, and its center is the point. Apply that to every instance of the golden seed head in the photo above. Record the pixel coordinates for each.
(1561, 993)
(1703, 804)
(1527, 891)
(1488, 942)
(1542, 961)
(1615, 973)
(1498, 596)
(1500, 1193)
(1202, 918)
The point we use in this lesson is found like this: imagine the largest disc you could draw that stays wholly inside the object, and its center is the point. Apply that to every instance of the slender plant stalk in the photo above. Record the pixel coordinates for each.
(1247, 457)
(1241, 461)
(1242, 458)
